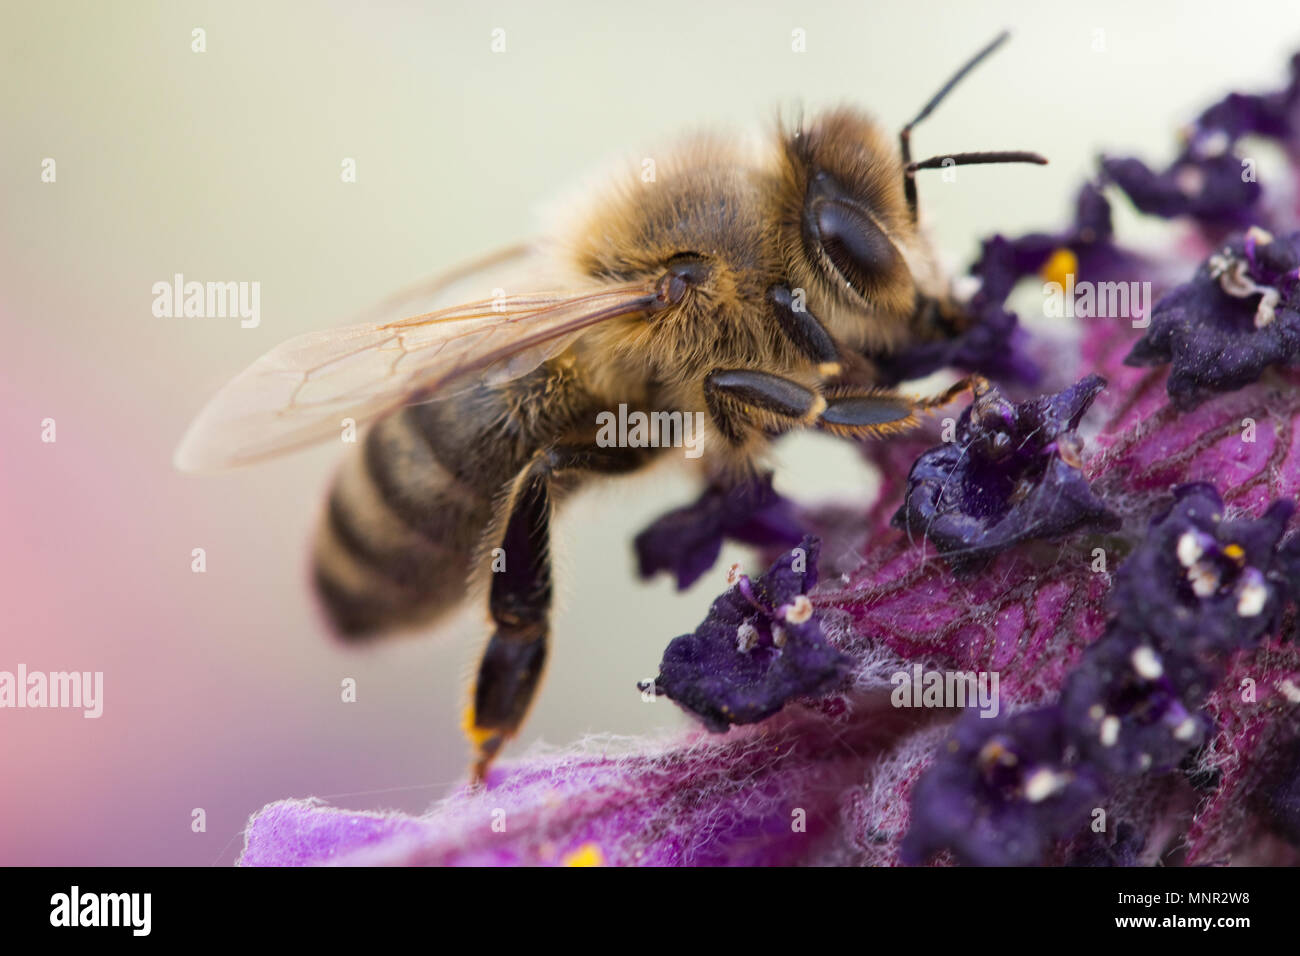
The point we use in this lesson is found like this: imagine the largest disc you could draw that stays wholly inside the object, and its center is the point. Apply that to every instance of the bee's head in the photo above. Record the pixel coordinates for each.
(846, 232)
(847, 218)
(847, 208)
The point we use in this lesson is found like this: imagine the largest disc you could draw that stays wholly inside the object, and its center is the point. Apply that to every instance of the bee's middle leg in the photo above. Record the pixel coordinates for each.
(519, 597)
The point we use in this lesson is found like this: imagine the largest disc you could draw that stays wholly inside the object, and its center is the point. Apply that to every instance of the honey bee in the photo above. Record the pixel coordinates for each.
(760, 288)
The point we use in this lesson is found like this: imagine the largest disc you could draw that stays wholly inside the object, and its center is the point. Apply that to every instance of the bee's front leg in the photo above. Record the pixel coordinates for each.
(805, 331)
(744, 399)
(519, 597)
(873, 412)
(741, 400)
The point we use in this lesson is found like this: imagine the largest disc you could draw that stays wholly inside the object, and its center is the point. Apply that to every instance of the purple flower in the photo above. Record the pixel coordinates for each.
(1271, 115)
(1132, 707)
(1012, 474)
(760, 645)
(686, 542)
(992, 344)
(1086, 248)
(1207, 180)
(1201, 584)
(1001, 792)
(1237, 316)
(1209, 188)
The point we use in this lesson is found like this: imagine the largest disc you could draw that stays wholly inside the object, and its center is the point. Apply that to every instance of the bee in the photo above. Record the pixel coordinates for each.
(761, 288)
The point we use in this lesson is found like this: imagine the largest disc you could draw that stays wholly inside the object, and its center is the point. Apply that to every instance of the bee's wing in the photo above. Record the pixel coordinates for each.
(522, 266)
(300, 392)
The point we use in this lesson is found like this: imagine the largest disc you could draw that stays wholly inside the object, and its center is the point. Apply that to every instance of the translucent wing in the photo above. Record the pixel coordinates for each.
(524, 266)
(300, 392)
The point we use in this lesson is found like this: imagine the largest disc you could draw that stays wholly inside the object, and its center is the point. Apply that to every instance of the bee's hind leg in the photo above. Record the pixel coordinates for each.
(519, 603)
(519, 596)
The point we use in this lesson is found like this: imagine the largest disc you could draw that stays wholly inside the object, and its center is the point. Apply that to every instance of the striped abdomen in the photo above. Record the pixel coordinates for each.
(407, 512)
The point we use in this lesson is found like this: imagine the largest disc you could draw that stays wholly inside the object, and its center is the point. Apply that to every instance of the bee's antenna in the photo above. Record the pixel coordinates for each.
(905, 137)
(965, 159)
(975, 159)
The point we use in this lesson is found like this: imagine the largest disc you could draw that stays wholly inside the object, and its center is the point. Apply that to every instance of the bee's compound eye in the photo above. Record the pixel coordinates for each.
(684, 271)
(855, 245)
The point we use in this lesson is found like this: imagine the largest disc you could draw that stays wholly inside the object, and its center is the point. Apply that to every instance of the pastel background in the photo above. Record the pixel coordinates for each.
(222, 689)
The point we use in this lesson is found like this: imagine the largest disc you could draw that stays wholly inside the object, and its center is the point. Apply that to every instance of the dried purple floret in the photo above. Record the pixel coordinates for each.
(1201, 584)
(1012, 474)
(994, 344)
(686, 542)
(760, 645)
(1001, 793)
(1237, 316)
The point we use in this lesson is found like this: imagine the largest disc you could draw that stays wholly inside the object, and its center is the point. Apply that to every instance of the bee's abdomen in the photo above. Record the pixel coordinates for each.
(404, 519)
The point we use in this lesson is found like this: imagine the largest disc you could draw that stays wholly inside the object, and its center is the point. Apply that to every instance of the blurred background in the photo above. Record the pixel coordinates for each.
(222, 689)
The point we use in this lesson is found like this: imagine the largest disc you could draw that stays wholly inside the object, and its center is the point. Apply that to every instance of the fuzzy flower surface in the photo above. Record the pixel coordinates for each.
(1124, 559)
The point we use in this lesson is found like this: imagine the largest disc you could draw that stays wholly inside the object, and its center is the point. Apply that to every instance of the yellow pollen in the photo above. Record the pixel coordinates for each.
(586, 855)
(1235, 551)
(1063, 262)
(994, 753)
(477, 735)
